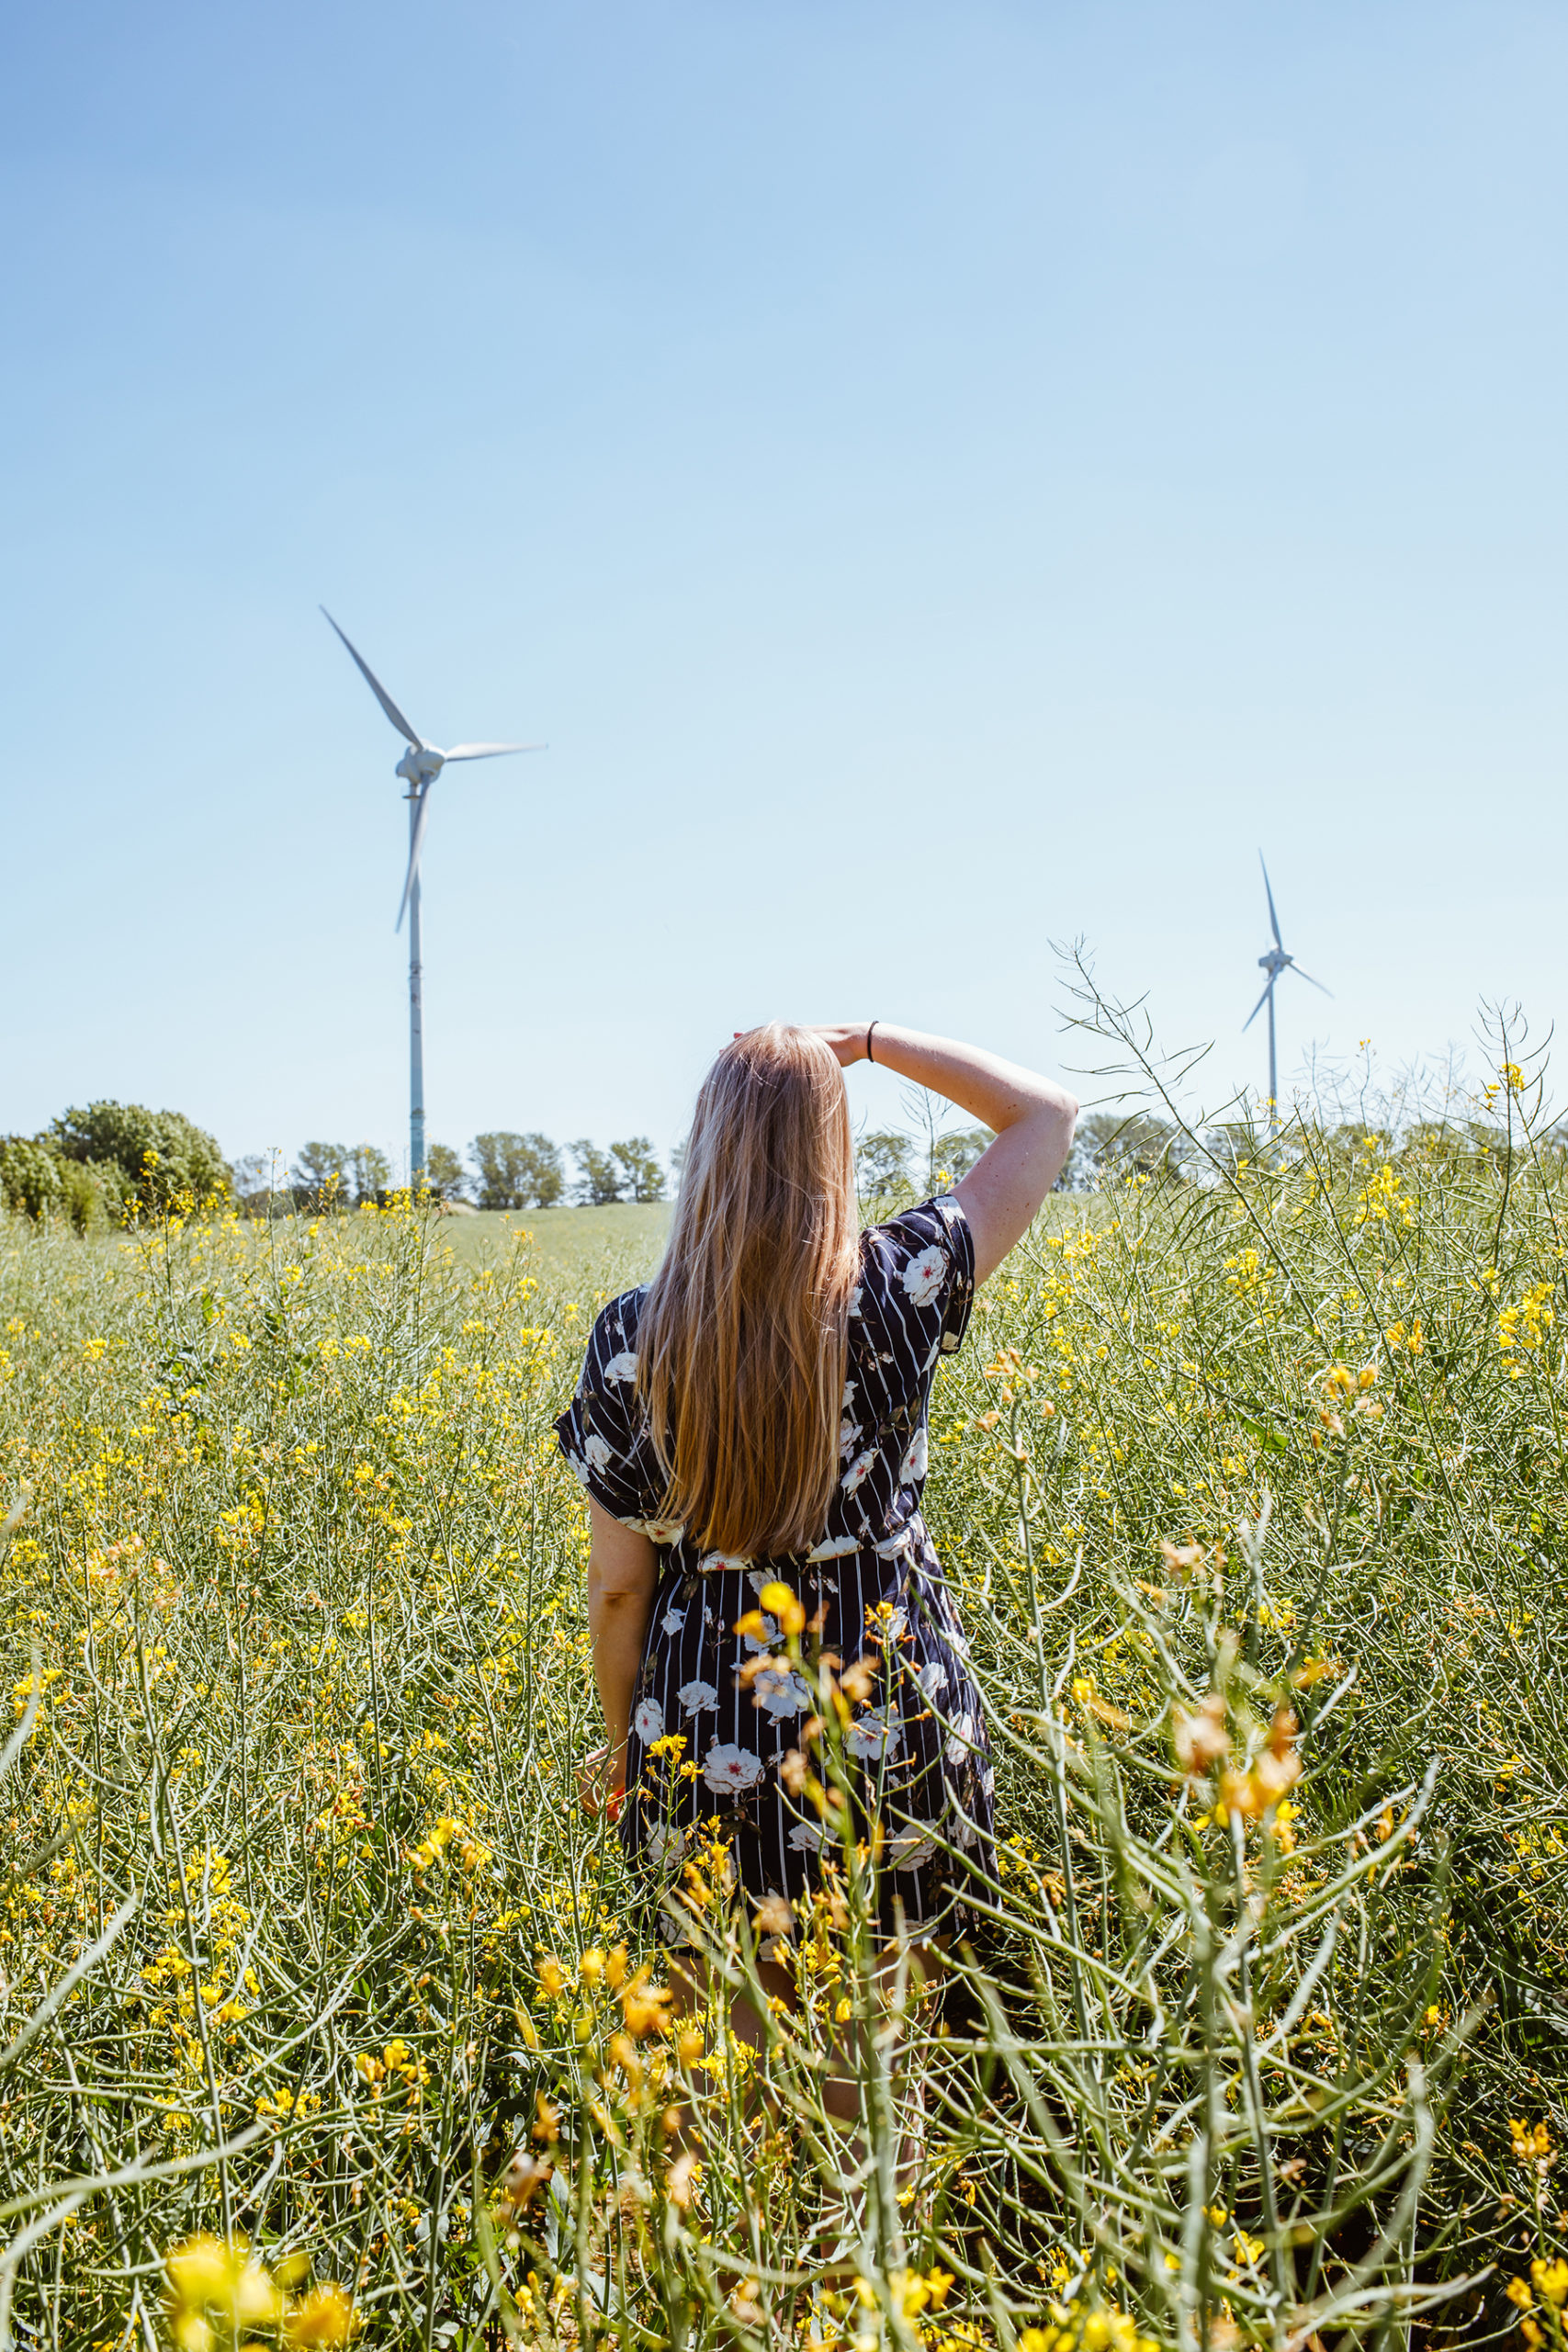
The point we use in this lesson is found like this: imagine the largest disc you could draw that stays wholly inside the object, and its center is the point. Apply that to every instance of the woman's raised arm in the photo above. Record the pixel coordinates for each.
(1033, 1116)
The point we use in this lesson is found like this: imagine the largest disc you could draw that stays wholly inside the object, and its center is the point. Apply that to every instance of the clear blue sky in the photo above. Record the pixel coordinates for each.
(941, 478)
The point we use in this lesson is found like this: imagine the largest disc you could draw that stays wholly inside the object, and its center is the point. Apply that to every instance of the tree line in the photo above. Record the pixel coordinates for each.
(504, 1170)
(93, 1166)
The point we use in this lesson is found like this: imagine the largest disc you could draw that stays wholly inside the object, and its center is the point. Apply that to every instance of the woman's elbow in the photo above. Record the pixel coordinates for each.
(618, 1592)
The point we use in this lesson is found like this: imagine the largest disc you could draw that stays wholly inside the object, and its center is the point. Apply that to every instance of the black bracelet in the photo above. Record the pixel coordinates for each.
(869, 1055)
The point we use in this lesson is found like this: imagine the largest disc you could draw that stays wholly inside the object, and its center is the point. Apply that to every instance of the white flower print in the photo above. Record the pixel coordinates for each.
(769, 1636)
(808, 1836)
(950, 1343)
(855, 1300)
(876, 1733)
(622, 1367)
(913, 1846)
(913, 1465)
(834, 1547)
(666, 1845)
(932, 1679)
(647, 1721)
(599, 1454)
(713, 1561)
(576, 1465)
(697, 1697)
(924, 1275)
(961, 1739)
(731, 1771)
(781, 1692)
(672, 1622)
(848, 1432)
(663, 1532)
(858, 1471)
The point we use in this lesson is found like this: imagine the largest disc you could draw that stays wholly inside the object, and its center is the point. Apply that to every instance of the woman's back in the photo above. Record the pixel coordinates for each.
(870, 1585)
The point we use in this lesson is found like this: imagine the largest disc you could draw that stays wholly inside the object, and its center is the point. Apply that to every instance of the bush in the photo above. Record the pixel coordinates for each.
(29, 1175)
(163, 1155)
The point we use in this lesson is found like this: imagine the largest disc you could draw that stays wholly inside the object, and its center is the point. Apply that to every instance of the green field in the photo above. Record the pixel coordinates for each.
(578, 1243)
(1253, 1500)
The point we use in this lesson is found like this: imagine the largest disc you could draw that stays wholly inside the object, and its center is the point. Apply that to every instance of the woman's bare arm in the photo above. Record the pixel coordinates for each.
(623, 1571)
(1033, 1116)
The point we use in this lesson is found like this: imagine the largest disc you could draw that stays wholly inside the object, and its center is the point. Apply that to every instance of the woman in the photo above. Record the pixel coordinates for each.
(757, 1414)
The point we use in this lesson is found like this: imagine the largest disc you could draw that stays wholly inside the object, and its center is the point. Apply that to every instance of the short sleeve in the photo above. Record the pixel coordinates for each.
(926, 1261)
(602, 1434)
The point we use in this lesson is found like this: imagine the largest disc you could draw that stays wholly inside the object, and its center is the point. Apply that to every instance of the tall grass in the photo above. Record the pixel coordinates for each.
(1252, 1494)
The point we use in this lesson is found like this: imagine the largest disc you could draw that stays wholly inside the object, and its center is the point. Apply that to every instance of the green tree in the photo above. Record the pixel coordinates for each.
(30, 1179)
(322, 1172)
(599, 1179)
(370, 1171)
(160, 1153)
(1116, 1144)
(444, 1173)
(882, 1165)
(954, 1154)
(517, 1171)
(643, 1176)
(95, 1193)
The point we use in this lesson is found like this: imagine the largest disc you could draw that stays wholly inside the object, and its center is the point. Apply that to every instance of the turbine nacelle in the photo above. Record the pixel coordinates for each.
(421, 767)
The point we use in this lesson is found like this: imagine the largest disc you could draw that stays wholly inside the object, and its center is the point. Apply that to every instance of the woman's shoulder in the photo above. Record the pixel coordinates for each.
(615, 1334)
(921, 1248)
(916, 1284)
(609, 1360)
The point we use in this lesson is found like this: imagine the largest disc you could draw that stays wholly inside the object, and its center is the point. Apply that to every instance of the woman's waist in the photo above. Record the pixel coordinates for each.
(892, 1542)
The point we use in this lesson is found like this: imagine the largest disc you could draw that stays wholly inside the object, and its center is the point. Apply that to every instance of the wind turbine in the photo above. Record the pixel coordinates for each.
(1274, 963)
(419, 767)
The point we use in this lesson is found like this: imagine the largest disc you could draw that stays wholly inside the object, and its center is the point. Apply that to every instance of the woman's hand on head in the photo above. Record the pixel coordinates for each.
(846, 1039)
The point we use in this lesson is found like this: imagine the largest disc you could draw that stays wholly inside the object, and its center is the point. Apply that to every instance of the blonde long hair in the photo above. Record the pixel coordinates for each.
(743, 1336)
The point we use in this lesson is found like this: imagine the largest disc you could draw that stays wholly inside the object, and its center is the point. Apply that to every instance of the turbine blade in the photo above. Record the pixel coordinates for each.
(1260, 1005)
(414, 847)
(1308, 978)
(379, 691)
(1273, 918)
(488, 750)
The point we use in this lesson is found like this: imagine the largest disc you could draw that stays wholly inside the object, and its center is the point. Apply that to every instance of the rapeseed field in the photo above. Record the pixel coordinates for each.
(323, 2013)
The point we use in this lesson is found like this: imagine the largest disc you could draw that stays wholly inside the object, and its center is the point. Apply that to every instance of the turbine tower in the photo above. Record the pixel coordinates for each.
(1274, 963)
(419, 767)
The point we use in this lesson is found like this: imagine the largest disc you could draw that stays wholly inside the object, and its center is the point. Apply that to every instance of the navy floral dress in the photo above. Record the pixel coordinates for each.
(918, 1741)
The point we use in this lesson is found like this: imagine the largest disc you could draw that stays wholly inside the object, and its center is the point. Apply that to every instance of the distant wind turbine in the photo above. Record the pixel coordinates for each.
(419, 767)
(1274, 963)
